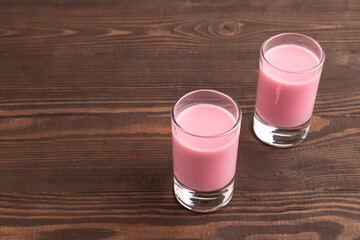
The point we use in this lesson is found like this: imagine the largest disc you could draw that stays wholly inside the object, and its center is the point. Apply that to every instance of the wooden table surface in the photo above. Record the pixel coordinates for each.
(86, 89)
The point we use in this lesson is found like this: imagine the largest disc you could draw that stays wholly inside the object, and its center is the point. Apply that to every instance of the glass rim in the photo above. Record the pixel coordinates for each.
(237, 122)
(319, 65)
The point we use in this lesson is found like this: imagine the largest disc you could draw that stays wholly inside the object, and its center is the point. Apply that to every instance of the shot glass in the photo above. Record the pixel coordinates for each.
(205, 137)
(289, 73)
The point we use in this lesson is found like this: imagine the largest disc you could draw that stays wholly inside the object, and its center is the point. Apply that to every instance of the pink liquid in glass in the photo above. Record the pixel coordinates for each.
(286, 92)
(205, 163)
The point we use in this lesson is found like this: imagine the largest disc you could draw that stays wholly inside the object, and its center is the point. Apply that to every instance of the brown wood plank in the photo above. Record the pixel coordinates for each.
(121, 152)
(138, 215)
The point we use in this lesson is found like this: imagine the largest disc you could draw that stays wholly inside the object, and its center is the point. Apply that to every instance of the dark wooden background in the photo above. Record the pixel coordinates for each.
(86, 89)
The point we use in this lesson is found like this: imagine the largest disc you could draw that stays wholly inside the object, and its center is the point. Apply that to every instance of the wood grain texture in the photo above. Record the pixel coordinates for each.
(86, 89)
(270, 215)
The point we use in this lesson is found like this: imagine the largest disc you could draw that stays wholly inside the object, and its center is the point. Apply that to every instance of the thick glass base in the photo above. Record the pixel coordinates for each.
(202, 201)
(279, 137)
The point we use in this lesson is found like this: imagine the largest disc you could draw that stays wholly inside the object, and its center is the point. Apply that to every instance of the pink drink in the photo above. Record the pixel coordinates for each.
(286, 92)
(205, 160)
